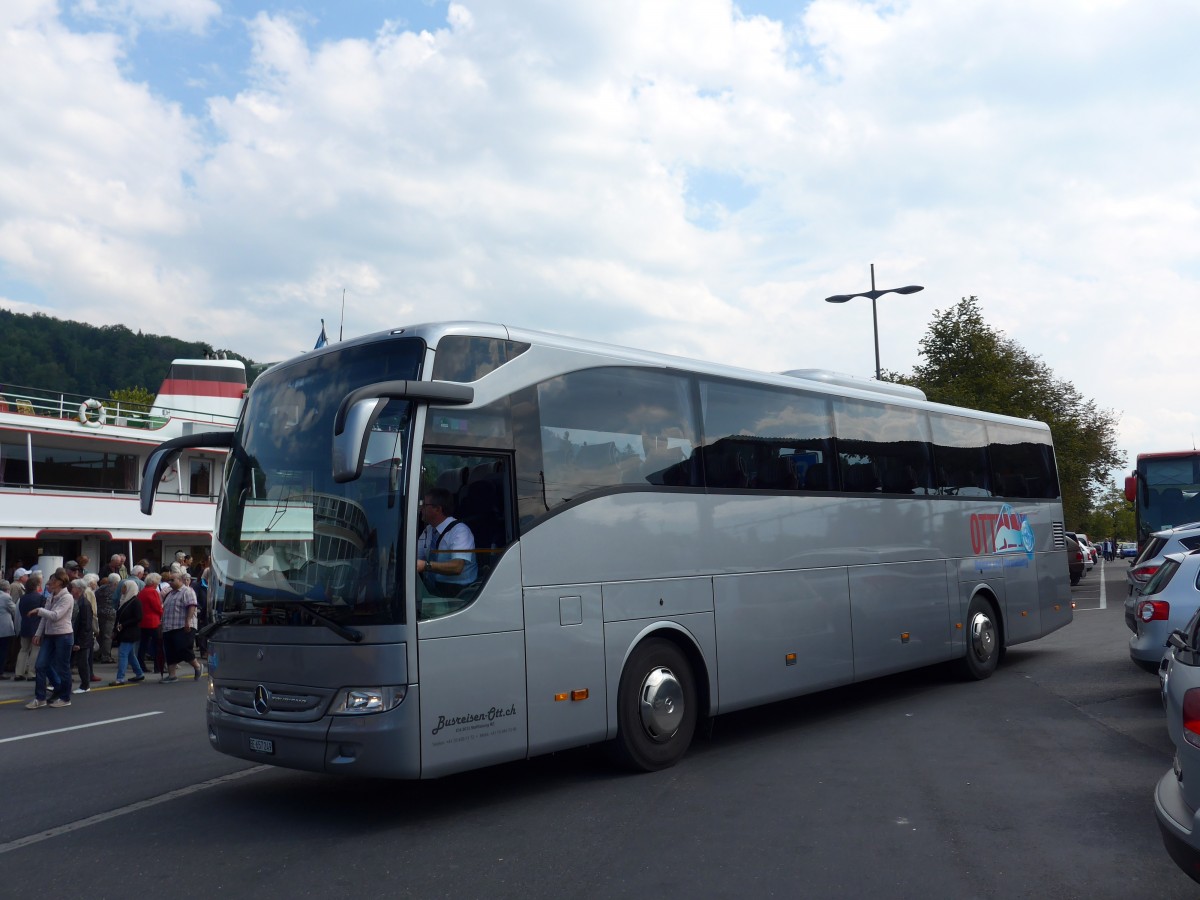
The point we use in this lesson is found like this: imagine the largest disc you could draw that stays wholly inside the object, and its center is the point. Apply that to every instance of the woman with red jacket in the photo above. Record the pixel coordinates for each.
(152, 610)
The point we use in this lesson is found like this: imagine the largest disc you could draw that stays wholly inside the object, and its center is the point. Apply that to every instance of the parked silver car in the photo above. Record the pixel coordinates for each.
(1177, 796)
(1167, 602)
(1180, 539)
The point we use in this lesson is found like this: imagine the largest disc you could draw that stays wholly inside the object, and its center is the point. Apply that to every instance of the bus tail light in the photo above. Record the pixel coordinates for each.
(1191, 717)
(1154, 610)
(365, 700)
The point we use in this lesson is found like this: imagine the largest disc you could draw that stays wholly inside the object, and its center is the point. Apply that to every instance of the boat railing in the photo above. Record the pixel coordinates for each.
(92, 411)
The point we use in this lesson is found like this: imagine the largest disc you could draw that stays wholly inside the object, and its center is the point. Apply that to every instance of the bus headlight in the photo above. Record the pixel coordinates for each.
(363, 700)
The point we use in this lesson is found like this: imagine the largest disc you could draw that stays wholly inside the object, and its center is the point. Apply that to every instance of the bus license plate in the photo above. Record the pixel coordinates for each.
(262, 745)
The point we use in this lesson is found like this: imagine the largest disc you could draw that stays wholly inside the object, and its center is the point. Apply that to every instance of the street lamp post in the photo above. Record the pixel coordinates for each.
(875, 295)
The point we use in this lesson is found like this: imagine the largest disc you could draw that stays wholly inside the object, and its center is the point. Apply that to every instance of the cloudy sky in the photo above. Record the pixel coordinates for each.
(691, 176)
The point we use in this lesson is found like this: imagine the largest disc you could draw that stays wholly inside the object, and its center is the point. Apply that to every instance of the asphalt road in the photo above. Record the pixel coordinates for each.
(1035, 783)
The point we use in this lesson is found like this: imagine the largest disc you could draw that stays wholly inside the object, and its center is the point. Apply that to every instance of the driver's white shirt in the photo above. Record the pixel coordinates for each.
(455, 543)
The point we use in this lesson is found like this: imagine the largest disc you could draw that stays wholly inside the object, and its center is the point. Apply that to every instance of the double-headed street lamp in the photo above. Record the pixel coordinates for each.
(875, 295)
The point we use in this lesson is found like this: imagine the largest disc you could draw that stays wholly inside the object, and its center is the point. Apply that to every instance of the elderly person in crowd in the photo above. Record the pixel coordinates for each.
(152, 610)
(83, 627)
(127, 632)
(91, 582)
(53, 639)
(108, 595)
(32, 599)
(17, 588)
(179, 626)
(10, 623)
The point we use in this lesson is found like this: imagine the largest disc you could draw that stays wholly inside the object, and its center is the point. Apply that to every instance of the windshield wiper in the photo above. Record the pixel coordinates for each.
(235, 617)
(350, 634)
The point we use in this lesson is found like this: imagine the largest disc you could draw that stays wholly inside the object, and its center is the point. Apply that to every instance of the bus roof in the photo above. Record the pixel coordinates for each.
(817, 380)
(1168, 454)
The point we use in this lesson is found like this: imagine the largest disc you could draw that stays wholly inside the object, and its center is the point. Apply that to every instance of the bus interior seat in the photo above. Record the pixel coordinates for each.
(777, 474)
(724, 467)
(898, 480)
(816, 478)
(860, 479)
(483, 512)
(453, 480)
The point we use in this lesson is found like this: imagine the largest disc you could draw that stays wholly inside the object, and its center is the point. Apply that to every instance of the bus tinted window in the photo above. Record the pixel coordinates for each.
(607, 427)
(960, 456)
(1171, 492)
(882, 448)
(766, 439)
(1022, 463)
(465, 358)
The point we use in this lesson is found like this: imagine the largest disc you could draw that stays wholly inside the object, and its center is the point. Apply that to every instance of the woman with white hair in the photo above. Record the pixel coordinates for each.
(10, 624)
(127, 631)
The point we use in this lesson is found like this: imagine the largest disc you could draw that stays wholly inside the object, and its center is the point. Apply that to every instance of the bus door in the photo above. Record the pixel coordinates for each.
(470, 638)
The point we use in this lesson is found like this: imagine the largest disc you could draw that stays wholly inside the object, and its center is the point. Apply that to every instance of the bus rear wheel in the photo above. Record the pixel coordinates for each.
(656, 707)
(984, 645)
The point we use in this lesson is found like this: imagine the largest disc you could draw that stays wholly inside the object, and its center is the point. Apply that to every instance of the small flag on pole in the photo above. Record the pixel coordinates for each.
(322, 340)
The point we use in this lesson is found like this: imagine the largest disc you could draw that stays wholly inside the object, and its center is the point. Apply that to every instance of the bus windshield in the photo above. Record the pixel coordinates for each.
(1167, 493)
(287, 536)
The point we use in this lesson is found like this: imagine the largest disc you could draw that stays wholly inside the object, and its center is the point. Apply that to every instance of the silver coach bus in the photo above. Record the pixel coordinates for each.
(655, 541)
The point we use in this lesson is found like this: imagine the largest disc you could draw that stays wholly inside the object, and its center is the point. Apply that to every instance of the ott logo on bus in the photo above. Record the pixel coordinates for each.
(1005, 532)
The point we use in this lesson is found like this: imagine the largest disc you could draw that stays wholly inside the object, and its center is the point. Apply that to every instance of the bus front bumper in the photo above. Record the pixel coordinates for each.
(374, 745)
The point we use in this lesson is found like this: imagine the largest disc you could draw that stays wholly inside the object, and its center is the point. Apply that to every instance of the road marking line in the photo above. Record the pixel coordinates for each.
(22, 737)
(125, 810)
(109, 687)
(1103, 601)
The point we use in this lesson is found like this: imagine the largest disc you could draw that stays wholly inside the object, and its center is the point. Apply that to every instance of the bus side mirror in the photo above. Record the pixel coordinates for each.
(167, 452)
(1131, 488)
(359, 409)
(350, 445)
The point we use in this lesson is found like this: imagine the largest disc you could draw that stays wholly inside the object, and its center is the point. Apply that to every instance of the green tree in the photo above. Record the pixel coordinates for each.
(133, 404)
(1111, 516)
(968, 363)
(85, 360)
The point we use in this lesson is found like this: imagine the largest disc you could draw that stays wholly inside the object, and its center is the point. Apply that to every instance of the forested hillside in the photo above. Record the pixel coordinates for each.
(40, 351)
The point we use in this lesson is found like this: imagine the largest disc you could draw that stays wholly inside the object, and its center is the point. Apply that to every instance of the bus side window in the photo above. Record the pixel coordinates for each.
(601, 429)
(766, 438)
(882, 447)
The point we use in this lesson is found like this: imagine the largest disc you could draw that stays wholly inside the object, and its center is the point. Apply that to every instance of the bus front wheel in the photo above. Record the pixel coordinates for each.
(656, 707)
(984, 645)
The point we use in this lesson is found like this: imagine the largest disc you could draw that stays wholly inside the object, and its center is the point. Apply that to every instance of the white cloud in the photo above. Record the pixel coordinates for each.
(561, 166)
(187, 15)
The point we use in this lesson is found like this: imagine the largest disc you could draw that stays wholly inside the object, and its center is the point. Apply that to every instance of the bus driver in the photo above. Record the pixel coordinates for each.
(446, 548)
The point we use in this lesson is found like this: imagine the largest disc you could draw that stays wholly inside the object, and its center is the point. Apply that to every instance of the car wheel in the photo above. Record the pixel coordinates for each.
(656, 707)
(1075, 580)
(984, 644)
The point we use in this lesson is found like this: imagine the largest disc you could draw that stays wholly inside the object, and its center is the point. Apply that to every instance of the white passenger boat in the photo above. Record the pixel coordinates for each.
(70, 469)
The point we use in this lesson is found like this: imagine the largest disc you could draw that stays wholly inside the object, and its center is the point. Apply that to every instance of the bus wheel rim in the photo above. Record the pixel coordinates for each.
(983, 637)
(660, 702)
